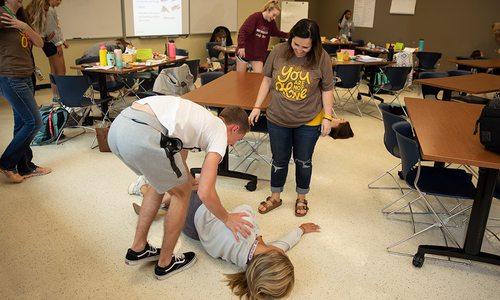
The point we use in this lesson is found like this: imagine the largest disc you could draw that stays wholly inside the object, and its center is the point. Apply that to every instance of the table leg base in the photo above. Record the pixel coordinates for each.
(251, 185)
(418, 259)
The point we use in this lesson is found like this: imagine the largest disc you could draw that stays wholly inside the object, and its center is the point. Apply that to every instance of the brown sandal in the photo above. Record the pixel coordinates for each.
(269, 205)
(301, 205)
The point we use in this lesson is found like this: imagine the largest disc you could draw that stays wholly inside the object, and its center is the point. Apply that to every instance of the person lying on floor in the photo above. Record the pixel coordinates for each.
(267, 270)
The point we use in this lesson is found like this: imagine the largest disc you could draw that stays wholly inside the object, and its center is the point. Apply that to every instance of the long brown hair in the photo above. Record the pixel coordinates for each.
(306, 29)
(269, 275)
(36, 12)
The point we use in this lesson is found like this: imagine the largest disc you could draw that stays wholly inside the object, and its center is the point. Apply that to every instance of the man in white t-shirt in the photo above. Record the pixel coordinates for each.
(153, 137)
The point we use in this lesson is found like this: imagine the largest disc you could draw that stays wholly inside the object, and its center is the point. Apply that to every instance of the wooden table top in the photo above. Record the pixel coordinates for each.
(127, 70)
(335, 62)
(473, 84)
(478, 63)
(445, 132)
(233, 88)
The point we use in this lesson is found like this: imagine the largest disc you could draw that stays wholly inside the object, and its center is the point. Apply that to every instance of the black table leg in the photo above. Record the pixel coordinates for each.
(475, 230)
(223, 170)
(226, 61)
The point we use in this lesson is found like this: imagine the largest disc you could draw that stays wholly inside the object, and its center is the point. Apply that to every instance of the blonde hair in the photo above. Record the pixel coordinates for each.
(36, 11)
(269, 275)
(270, 5)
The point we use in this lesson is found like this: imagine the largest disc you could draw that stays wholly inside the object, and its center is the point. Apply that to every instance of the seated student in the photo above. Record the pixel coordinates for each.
(219, 33)
(267, 272)
(110, 47)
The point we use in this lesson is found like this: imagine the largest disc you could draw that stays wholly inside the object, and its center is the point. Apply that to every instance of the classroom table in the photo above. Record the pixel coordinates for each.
(444, 132)
(233, 88)
(473, 84)
(478, 63)
(120, 71)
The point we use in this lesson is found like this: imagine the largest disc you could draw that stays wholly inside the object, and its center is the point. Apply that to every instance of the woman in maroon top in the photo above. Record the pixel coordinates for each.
(253, 37)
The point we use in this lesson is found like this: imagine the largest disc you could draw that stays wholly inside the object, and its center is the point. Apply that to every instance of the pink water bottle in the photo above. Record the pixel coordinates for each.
(171, 49)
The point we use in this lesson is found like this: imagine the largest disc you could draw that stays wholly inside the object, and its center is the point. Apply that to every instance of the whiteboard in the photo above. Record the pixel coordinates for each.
(292, 12)
(363, 13)
(90, 18)
(205, 15)
(403, 7)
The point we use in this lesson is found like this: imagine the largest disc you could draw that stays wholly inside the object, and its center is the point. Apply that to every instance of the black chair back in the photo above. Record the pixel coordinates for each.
(350, 75)
(87, 60)
(194, 67)
(209, 76)
(181, 52)
(397, 77)
(458, 72)
(71, 88)
(430, 90)
(408, 148)
(428, 60)
(331, 48)
(389, 119)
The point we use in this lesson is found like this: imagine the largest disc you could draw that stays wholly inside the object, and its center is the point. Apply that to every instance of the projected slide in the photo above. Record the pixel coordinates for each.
(152, 17)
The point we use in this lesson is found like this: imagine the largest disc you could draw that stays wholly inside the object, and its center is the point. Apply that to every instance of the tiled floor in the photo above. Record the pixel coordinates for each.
(65, 235)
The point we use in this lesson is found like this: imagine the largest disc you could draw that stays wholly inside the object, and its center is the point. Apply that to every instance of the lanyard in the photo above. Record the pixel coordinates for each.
(24, 37)
(9, 11)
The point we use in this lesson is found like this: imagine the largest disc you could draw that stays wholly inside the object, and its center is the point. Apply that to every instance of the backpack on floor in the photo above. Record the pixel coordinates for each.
(174, 81)
(54, 119)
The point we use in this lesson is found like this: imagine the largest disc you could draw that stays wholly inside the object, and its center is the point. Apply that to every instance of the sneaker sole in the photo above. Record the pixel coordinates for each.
(189, 265)
(137, 262)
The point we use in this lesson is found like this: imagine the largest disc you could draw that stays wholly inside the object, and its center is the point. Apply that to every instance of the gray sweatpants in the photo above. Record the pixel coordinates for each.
(134, 137)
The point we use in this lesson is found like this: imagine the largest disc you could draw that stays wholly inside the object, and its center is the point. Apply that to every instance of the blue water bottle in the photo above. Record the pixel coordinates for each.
(421, 45)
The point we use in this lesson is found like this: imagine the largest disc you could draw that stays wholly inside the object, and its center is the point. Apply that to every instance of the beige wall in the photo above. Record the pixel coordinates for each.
(453, 27)
(194, 43)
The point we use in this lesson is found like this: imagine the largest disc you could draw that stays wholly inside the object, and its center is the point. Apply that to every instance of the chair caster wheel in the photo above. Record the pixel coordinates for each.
(359, 97)
(251, 186)
(400, 174)
(418, 260)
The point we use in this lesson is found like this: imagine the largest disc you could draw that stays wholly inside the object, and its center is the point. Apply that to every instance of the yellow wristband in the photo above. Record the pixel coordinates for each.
(328, 117)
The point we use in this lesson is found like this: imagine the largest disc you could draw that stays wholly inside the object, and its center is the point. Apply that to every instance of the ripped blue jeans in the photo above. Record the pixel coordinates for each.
(301, 141)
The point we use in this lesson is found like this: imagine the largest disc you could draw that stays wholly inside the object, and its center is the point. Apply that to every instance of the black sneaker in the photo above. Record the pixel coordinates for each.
(177, 264)
(149, 253)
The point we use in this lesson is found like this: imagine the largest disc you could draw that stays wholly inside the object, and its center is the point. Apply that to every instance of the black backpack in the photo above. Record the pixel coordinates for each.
(489, 126)
(54, 119)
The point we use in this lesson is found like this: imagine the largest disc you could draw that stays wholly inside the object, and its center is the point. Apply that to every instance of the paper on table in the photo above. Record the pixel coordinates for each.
(99, 68)
(366, 58)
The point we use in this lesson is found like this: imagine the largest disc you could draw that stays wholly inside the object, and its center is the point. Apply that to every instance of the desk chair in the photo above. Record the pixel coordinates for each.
(207, 77)
(427, 180)
(430, 90)
(77, 91)
(397, 77)
(427, 61)
(331, 49)
(194, 67)
(348, 78)
(391, 145)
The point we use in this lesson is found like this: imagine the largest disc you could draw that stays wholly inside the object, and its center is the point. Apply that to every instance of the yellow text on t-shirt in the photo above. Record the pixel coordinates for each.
(293, 82)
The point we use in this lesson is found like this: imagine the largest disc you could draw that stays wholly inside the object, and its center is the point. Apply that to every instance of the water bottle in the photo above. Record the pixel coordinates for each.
(111, 59)
(390, 54)
(171, 49)
(118, 57)
(421, 45)
(102, 55)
